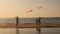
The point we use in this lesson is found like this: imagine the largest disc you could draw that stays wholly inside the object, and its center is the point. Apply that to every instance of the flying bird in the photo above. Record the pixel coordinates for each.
(39, 7)
(29, 11)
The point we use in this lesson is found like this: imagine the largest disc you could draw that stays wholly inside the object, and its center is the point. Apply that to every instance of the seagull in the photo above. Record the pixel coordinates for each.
(39, 7)
(29, 11)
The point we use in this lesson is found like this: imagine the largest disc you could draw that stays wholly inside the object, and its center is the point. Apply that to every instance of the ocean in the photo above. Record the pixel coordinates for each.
(30, 30)
(46, 20)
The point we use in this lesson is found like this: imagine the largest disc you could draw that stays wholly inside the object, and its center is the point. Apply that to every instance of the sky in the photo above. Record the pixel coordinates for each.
(12, 8)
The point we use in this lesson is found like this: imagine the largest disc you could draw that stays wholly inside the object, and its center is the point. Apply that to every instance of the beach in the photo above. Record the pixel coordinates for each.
(30, 31)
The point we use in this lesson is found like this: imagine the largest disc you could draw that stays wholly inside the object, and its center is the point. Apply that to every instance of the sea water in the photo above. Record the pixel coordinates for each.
(55, 20)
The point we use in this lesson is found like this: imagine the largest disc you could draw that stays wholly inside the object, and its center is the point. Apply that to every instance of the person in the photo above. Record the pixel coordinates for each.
(38, 22)
(17, 22)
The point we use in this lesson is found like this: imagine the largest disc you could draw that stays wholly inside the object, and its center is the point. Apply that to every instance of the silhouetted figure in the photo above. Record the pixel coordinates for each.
(17, 20)
(38, 22)
(17, 23)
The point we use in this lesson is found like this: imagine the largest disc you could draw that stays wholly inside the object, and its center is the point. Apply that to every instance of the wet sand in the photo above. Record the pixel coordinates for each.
(28, 25)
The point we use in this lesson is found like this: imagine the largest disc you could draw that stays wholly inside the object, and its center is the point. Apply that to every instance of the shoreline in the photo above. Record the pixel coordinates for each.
(29, 25)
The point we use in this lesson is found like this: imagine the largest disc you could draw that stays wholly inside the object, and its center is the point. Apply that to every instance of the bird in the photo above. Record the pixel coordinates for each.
(39, 7)
(29, 11)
